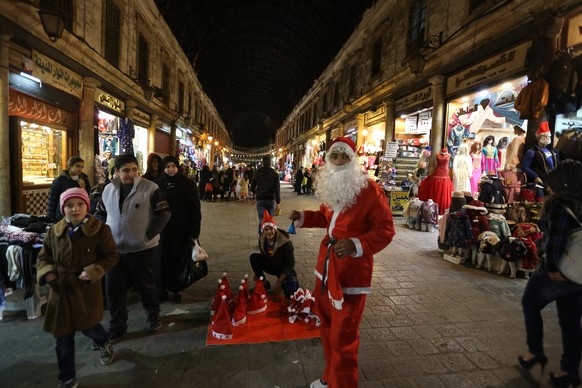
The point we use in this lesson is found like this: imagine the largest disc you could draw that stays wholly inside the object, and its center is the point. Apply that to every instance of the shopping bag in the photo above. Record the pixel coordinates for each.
(192, 271)
(570, 264)
(277, 211)
(198, 254)
(208, 188)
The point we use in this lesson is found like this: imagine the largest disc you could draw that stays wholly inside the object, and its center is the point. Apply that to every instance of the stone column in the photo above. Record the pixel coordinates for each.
(130, 109)
(360, 136)
(86, 130)
(328, 138)
(5, 198)
(152, 132)
(389, 130)
(341, 129)
(438, 118)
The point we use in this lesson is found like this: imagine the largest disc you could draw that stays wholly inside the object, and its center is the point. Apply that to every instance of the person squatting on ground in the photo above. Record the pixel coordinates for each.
(358, 224)
(548, 284)
(276, 258)
(76, 253)
(72, 177)
(136, 211)
(265, 184)
(183, 227)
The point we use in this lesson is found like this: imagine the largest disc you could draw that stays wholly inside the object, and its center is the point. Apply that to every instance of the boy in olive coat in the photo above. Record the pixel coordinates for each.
(77, 252)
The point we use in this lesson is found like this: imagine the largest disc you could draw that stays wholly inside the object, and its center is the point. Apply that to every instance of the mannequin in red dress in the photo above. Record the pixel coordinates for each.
(438, 185)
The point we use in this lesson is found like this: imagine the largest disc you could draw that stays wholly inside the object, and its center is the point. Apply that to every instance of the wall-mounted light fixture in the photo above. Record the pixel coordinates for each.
(418, 60)
(148, 92)
(52, 20)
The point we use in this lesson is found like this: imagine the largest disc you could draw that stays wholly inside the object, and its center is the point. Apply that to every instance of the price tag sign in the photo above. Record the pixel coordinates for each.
(391, 149)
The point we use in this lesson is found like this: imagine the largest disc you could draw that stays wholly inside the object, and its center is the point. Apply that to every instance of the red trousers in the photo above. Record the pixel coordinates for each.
(340, 336)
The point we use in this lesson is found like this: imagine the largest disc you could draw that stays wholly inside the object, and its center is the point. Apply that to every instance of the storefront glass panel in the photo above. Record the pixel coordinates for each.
(43, 153)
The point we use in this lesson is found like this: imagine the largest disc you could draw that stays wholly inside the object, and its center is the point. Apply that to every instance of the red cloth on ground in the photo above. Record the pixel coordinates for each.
(438, 186)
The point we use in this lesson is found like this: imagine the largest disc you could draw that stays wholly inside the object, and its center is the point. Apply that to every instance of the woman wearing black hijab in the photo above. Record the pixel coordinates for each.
(183, 227)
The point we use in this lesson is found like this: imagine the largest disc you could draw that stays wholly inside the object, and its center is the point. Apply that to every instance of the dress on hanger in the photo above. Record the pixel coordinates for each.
(438, 185)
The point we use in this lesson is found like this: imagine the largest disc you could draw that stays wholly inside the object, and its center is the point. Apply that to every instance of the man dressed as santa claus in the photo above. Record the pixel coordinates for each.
(358, 224)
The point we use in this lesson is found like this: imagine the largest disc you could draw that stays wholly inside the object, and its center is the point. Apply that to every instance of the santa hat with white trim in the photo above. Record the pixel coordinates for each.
(343, 144)
(245, 284)
(239, 316)
(220, 292)
(268, 220)
(258, 300)
(221, 327)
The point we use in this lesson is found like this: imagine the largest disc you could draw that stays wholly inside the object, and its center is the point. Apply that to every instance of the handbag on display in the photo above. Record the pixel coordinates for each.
(570, 264)
(208, 187)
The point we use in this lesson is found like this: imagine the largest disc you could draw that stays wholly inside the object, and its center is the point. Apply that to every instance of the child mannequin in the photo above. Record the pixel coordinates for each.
(429, 212)
(490, 162)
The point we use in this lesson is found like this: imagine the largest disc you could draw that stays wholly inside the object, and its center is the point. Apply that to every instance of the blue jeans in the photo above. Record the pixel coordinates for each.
(539, 292)
(262, 205)
(66, 350)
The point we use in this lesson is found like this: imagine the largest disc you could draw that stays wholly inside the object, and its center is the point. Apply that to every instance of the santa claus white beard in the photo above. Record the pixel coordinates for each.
(338, 186)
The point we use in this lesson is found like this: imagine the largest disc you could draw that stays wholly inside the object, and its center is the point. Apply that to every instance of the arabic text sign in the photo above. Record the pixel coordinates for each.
(501, 65)
(411, 100)
(56, 75)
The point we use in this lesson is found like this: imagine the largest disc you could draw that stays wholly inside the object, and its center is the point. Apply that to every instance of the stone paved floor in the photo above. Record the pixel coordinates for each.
(428, 323)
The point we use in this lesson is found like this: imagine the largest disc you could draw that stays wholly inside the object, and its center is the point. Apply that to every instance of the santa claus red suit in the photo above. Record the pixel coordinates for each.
(344, 279)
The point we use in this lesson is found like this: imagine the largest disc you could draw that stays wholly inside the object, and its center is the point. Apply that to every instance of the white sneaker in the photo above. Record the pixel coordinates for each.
(317, 384)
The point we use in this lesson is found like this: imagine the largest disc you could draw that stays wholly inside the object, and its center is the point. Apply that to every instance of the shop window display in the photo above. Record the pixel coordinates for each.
(43, 153)
(488, 112)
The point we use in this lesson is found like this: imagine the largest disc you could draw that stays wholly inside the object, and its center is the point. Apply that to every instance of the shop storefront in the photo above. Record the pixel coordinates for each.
(162, 140)
(141, 122)
(42, 134)
(413, 122)
(480, 101)
(373, 137)
(110, 123)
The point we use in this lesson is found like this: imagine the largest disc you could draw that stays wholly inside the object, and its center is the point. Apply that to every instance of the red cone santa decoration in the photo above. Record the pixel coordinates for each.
(221, 327)
(268, 220)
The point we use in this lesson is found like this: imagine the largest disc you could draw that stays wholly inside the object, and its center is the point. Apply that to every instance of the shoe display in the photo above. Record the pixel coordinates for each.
(564, 380)
(153, 323)
(107, 354)
(318, 384)
(116, 334)
(73, 383)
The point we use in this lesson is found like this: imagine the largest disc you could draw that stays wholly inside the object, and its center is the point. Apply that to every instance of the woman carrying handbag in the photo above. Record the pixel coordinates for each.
(561, 214)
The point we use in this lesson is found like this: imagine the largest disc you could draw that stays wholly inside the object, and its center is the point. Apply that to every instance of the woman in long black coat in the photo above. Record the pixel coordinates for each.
(183, 227)
(205, 177)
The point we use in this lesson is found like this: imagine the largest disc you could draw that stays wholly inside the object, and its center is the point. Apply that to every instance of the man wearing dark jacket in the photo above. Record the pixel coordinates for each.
(266, 188)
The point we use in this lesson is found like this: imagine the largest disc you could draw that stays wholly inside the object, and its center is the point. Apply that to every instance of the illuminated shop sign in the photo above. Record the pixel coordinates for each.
(109, 101)
(502, 65)
(141, 117)
(414, 99)
(56, 75)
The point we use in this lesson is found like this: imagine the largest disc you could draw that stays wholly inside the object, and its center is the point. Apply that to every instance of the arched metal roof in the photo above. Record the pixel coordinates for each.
(256, 58)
